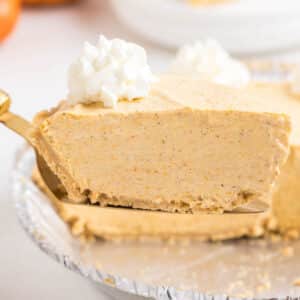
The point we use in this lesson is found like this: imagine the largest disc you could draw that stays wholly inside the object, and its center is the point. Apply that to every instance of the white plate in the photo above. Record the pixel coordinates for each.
(244, 26)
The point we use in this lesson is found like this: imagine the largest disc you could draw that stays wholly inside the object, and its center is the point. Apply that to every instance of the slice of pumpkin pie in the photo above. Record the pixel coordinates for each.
(174, 143)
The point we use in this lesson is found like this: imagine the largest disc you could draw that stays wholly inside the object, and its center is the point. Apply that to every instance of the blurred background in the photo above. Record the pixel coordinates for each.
(40, 38)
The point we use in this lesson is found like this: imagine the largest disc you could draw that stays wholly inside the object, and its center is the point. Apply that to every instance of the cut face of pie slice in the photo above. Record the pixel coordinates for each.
(189, 146)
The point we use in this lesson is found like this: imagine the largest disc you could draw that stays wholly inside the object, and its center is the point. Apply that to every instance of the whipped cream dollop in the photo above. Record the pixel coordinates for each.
(207, 60)
(110, 71)
(295, 81)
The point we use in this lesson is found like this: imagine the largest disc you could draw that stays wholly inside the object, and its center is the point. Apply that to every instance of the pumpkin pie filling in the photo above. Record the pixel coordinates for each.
(160, 153)
(178, 143)
(111, 224)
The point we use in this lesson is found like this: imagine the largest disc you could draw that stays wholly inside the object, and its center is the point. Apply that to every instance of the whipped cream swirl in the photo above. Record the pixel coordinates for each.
(112, 70)
(207, 60)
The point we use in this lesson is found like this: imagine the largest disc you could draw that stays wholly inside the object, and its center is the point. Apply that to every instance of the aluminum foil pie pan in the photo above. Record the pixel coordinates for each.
(252, 269)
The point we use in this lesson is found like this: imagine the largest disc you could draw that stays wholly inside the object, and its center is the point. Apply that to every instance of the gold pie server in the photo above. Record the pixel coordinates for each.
(53, 186)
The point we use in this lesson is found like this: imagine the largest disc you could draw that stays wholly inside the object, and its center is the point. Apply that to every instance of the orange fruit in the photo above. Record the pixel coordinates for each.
(9, 11)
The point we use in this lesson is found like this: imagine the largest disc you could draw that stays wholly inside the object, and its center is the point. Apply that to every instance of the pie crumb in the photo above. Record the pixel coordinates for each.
(264, 284)
(272, 224)
(262, 287)
(257, 231)
(287, 251)
(275, 238)
(296, 282)
(109, 281)
(292, 234)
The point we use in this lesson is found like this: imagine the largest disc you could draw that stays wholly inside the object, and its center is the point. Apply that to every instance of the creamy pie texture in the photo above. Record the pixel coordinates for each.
(111, 224)
(176, 143)
(189, 146)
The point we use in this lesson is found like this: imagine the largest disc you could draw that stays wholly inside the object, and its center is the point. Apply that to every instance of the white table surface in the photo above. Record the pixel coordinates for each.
(33, 62)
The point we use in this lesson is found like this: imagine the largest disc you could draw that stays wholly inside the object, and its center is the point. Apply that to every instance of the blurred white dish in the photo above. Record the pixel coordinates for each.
(243, 26)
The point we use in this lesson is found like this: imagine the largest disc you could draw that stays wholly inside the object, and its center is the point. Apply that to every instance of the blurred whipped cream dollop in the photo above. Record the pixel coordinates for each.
(108, 72)
(295, 81)
(207, 60)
